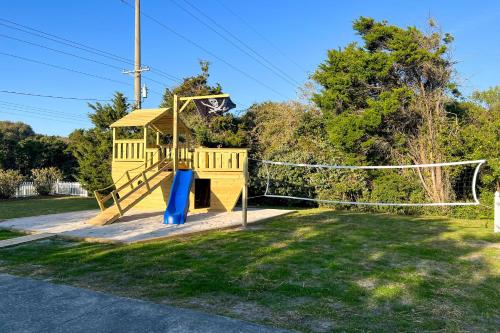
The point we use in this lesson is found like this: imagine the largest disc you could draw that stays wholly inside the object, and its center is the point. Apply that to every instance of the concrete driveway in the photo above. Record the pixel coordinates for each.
(28, 305)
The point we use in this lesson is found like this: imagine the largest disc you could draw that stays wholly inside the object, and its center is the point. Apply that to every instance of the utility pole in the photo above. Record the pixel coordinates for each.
(137, 57)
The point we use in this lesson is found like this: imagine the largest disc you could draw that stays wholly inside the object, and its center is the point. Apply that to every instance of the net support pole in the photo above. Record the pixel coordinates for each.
(496, 225)
(244, 194)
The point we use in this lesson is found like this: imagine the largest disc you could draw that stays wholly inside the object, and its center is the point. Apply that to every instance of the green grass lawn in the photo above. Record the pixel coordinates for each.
(45, 205)
(6, 234)
(315, 270)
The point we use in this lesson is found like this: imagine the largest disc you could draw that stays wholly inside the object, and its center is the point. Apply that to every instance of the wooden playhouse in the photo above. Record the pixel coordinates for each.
(143, 168)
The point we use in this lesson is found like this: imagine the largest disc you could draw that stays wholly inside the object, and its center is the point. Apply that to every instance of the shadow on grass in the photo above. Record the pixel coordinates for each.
(314, 270)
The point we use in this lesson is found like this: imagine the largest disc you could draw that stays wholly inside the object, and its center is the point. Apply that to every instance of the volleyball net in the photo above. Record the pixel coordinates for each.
(437, 184)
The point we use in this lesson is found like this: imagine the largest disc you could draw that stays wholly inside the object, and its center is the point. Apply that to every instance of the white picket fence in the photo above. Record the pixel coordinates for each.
(27, 189)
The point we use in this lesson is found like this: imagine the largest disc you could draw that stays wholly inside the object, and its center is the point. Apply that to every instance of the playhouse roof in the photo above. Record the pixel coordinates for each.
(159, 119)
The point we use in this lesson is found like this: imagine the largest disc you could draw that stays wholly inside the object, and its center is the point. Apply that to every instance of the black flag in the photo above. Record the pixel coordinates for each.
(209, 107)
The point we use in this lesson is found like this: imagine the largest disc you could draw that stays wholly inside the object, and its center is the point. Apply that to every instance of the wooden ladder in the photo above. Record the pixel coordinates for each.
(129, 194)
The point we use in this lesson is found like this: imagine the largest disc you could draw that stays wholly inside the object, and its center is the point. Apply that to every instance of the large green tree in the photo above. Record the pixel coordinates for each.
(10, 135)
(289, 132)
(22, 149)
(41, 151)
(477, 134)
(385, 101)
(93, 148)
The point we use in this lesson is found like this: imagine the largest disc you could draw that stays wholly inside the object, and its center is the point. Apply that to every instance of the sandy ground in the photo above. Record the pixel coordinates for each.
(135, 226)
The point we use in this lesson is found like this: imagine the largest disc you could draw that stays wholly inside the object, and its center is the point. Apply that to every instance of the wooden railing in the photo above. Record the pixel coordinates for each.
(130, 186)
(128, 150)
(200, 159)
(218, 159)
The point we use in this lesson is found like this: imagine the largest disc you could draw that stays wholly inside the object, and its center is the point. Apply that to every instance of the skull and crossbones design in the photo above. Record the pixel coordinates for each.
(214, 106)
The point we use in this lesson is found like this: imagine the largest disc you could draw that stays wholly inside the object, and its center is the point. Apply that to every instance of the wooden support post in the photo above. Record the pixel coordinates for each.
(244, 193)
(175, 134)
(145, 147)
(496, 223)
(128, 178)
(99, 200)
(114, 139)
(145, 179)
(117, 203)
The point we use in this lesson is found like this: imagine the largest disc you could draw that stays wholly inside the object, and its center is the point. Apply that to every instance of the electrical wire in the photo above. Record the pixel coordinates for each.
(188, 40)
(79, 57)
(64, 68)
(44, 110)
(263, 37)
(72, 70)
(264, 62)
(54, 97)
(80, 46)
(60, 51)
(37, 115)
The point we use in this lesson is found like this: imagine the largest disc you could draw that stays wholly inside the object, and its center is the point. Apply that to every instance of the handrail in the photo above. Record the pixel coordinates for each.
(124, 174)
(102, 200)
(128, 140)
(145, 183)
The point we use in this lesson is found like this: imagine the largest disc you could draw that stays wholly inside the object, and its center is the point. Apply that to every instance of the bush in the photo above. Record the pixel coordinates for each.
(45, 178)
(9, 182)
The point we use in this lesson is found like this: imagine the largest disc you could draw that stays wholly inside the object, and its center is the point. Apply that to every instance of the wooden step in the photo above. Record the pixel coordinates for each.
(111, 214)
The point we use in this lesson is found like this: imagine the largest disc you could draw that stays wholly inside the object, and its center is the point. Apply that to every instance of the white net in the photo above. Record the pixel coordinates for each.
(439, 184)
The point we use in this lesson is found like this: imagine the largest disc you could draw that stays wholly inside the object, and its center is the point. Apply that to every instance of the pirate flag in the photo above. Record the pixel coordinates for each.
(209, 107)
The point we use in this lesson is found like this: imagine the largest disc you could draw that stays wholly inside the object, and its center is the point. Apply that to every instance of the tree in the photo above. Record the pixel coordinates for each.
(477, 135)
(41, 151)
(9, 183)
(22, 149)
(225, 131)
(10, 135)
(93, 148)
(44, 179)
(385, 101)
(104, 115)
(290, 132)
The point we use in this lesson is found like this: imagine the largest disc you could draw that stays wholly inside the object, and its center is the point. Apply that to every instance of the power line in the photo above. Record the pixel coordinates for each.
(54, 116)
(243, 43)
(265, 63)
(76, 56)
(60, 51)
(70, 70)
(181, 36)
(55, 97)
(64, 68)
(263, 37)
(37, 115)
(68, 42)
(44, 110)
(80, 46)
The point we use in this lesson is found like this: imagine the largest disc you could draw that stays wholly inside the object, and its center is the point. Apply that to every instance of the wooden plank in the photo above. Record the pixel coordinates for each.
(24, 239)
(190, 98)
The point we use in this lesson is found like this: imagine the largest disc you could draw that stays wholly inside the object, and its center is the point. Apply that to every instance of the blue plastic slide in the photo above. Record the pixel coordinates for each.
(178, 203)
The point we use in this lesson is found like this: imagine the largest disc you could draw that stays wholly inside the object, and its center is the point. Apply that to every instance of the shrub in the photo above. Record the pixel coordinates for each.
(45, 178)
(9, 182)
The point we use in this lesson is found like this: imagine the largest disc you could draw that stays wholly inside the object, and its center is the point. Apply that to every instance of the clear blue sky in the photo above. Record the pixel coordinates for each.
(303, 30)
